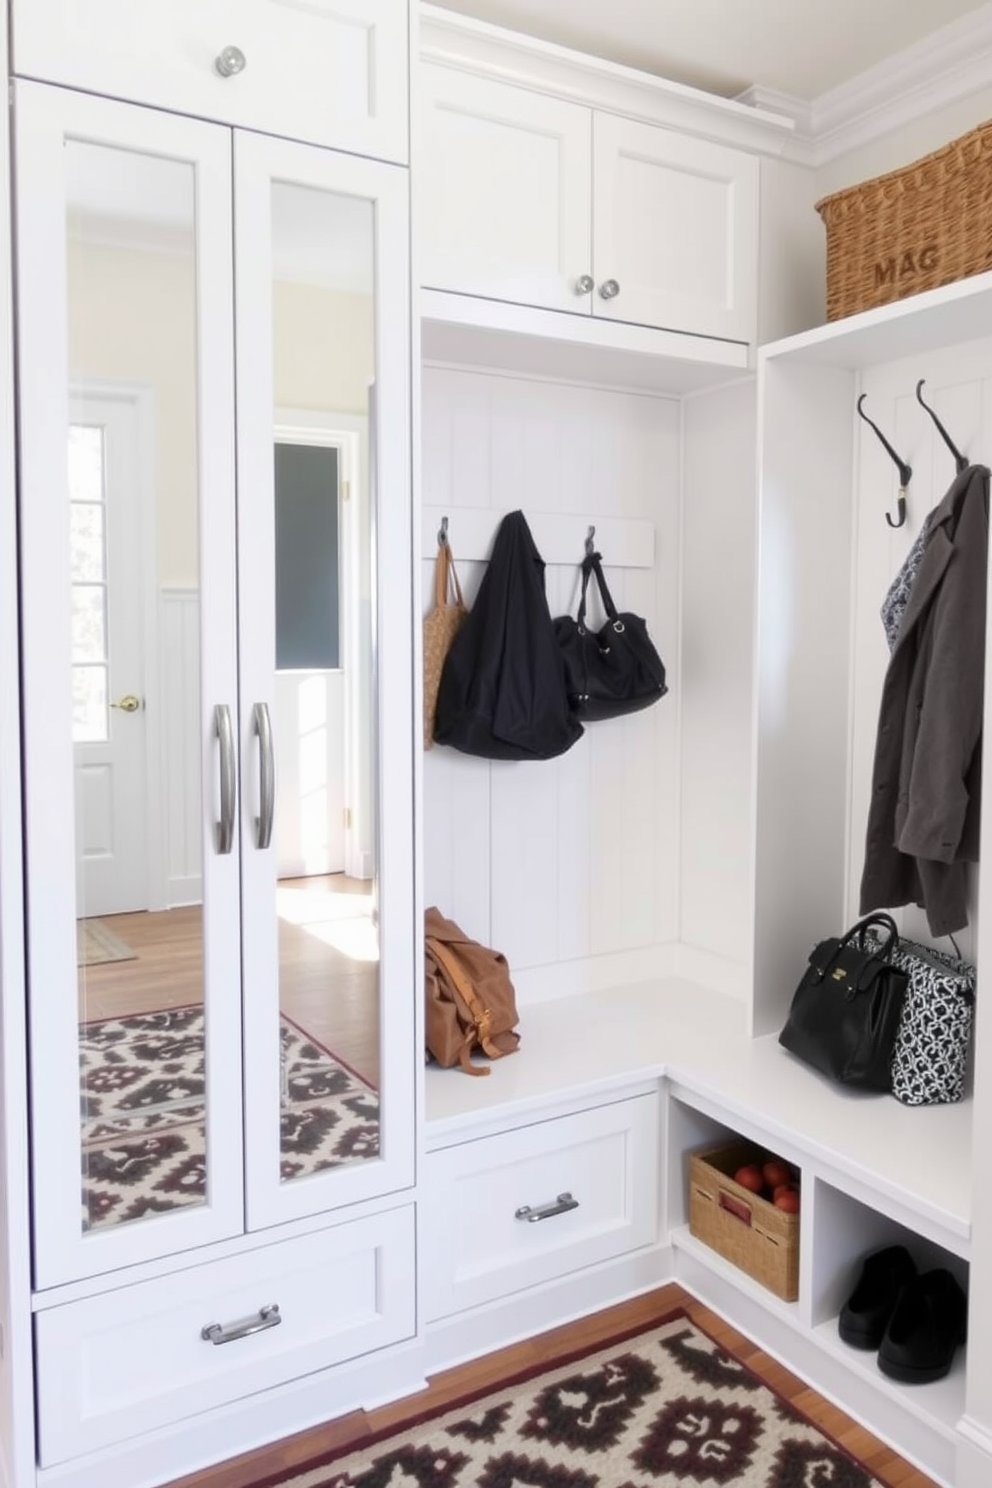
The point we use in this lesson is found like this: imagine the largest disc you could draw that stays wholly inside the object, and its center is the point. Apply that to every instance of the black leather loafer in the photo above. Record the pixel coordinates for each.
(929, 1321)
(866, 1313)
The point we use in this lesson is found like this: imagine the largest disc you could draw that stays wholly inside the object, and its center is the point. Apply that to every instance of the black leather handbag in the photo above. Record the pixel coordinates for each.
(845, 1012)
(611, 671)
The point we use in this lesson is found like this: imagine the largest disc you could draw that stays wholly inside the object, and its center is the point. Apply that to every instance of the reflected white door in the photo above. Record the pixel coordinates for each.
(108, 643)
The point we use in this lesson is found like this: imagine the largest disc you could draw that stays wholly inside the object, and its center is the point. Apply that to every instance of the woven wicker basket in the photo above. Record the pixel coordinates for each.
(913, 229)
(745, 1229)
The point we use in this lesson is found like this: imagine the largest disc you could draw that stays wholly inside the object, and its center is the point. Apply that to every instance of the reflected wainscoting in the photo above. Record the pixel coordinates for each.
(141, 1041)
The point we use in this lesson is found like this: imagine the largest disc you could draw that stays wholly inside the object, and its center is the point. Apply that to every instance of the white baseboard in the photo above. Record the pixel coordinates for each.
(468, 1335)
(182, 891)
(159, 1457)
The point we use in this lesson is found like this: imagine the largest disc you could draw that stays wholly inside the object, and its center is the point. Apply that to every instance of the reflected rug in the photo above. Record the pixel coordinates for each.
(96, 944)
(668, 1408)
(143, 1113)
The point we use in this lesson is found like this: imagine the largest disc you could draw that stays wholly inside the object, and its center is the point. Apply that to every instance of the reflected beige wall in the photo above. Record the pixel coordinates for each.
(324, 351)
(132, 320)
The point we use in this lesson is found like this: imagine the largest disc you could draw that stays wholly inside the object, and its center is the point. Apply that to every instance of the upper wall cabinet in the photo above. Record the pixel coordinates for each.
(544, 202)
(331, 72)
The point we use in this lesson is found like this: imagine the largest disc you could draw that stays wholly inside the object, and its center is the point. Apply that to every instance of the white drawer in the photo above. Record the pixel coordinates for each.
(480, 1247)
(115, 1365)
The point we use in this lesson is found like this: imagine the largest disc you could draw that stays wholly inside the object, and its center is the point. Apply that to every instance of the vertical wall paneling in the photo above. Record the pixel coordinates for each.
(569, 866)
(717, 664)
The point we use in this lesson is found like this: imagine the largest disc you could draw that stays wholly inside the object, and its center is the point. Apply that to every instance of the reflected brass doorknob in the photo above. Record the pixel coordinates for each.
(128, 703)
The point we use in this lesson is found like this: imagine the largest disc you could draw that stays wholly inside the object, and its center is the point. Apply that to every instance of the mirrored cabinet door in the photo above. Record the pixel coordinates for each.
(326, 718)
(124, 285)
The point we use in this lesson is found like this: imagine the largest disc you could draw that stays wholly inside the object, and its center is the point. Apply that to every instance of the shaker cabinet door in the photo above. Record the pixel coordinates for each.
(504, 209)
(330, 71)
(126, 407)
(675, 230)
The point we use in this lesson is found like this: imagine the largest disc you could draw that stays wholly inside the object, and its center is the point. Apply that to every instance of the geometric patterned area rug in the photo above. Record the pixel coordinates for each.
(97, 944)
(668, 1408)
(143, 1113)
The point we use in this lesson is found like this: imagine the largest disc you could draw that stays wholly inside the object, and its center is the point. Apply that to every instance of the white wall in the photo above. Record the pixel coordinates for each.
(716, 682)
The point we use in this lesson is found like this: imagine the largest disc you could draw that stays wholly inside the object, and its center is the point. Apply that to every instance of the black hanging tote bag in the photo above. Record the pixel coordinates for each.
(502, 692)
(613, 670)
(846, 1010)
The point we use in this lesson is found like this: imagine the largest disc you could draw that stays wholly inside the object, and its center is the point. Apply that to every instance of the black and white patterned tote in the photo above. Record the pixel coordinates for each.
(929, 1061)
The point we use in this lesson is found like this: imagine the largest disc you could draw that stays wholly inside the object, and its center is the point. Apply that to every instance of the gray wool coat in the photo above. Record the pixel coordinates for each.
(923, 817)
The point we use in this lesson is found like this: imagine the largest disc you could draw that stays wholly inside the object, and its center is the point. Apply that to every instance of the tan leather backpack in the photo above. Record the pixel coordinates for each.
(470, 1002)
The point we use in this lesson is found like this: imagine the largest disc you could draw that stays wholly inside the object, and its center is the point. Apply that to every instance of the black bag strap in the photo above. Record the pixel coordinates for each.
(592, 563)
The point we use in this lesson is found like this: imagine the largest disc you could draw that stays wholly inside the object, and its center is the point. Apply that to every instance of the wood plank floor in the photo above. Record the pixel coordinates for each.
(350, 1431)
(330, 992)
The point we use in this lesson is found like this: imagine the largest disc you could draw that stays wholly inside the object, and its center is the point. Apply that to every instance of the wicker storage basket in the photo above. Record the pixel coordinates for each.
(913, 229)
(740, 1226)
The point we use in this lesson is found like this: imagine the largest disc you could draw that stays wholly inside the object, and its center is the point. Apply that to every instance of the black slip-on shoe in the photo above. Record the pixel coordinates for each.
(866, 1313)
(929, 1321)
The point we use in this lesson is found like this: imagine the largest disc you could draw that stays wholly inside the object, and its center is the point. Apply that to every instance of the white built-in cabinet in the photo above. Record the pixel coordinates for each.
(324, 72)
(532, 198)
(220, 1060)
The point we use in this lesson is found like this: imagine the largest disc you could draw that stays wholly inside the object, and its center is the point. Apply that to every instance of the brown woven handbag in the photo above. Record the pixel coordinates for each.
(470, 1001)
(441, 624)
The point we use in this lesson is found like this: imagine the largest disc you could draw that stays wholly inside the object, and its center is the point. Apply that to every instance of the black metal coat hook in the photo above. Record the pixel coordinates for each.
(905, 471)
(960, 460)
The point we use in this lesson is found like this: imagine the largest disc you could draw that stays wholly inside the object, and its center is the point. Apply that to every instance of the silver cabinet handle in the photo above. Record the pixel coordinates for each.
(561, 1205)
(230, 62)
(225, 733)
(584, 284)
(266, 1317)
(261, 725)
(609, 289)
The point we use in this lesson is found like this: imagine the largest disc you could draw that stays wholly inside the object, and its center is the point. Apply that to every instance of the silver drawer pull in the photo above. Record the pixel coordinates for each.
(562, 1204)
(266, 1317)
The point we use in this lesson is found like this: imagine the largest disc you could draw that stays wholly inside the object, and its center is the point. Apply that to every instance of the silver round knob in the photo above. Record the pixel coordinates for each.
(584, 284)
(609, 289)
(231, 61)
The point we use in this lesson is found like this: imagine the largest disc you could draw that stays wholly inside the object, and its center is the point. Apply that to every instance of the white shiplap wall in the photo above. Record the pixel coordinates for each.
(569, 866)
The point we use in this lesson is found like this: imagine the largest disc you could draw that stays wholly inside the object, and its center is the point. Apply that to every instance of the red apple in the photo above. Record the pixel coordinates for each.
(787, 1199)
(750, 1176)
(776, 1173)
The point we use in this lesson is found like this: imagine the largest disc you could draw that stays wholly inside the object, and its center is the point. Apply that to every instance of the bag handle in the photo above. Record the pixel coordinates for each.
(446, 577)
(592, 563)
(882, 953)
(886, 921)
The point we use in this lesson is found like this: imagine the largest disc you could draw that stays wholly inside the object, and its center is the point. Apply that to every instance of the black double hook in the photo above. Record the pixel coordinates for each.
(960, 460)
(905, 470)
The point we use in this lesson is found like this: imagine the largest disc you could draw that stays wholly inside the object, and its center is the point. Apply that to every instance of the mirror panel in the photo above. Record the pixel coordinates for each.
(324, 831)
(133, 518)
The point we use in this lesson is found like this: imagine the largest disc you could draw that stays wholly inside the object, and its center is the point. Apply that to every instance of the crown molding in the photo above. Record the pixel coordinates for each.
(453, 40)
(953, 63)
